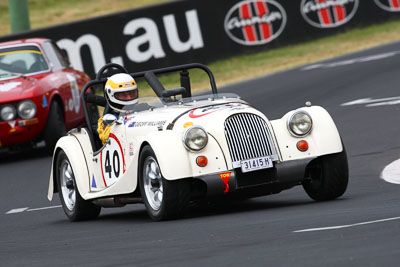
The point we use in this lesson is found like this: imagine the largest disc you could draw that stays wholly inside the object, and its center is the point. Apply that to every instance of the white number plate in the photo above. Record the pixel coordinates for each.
(256, 164)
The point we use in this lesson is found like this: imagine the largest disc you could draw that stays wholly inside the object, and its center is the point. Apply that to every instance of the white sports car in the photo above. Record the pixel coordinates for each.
(169, 150)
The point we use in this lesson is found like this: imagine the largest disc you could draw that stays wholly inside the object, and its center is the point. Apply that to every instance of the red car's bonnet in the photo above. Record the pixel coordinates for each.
(16, 89)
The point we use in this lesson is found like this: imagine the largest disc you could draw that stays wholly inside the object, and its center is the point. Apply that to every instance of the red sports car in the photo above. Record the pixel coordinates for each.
(39, 94)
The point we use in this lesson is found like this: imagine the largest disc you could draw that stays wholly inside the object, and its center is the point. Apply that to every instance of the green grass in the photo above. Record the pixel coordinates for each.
(44, 13)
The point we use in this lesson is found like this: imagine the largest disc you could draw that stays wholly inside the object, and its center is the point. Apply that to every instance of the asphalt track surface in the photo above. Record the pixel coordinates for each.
(258, 232)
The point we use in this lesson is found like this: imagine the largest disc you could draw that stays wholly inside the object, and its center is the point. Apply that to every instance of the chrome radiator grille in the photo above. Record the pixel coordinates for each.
(248, 137)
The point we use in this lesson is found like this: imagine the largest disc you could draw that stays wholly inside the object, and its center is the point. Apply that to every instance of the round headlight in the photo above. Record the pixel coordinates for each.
(26, 109)
(300, 124)
(7, 113)
(195, 138)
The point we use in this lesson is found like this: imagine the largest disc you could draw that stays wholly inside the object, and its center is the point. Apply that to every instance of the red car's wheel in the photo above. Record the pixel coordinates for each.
(55, 127)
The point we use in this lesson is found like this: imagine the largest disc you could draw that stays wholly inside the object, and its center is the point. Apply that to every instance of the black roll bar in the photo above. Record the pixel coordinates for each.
(150, 77)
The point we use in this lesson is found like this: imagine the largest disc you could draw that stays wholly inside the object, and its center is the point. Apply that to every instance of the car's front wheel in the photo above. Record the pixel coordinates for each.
(329, 176)
(75, 207)
(163, 199)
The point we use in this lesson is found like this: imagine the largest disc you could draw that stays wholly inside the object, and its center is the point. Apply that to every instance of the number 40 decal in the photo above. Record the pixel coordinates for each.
(112, 161)
(116, 164)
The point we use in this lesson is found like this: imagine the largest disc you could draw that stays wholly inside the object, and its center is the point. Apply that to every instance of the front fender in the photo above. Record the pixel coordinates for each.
(177, 162)
(72, 148)
(324, 138)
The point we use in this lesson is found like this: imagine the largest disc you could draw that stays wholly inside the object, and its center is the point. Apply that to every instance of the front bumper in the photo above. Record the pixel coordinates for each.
(257, 183)
(18, 132)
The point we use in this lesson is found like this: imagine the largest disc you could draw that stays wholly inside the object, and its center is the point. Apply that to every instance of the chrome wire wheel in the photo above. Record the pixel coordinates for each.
(152, 181)
(67, 184)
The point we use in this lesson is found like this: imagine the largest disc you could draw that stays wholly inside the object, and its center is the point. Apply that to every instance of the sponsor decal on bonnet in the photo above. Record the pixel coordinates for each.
(147, 123)
(255, 22)
(328, 13)
(200, 112)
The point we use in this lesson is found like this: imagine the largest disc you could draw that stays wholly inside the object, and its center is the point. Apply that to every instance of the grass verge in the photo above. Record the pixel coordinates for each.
(62, 11)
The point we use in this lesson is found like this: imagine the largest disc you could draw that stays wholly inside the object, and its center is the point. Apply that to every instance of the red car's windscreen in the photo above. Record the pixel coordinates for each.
(24, 60)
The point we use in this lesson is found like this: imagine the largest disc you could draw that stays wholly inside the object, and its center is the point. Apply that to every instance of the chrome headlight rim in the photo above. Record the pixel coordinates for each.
(185, 135)
(14, 112)
(289, 123)
(21, 112)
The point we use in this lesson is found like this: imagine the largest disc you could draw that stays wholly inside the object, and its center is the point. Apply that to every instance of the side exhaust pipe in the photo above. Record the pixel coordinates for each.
(114, 202)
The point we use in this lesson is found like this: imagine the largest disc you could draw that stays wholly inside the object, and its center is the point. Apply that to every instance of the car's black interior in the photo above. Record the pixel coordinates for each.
(20, 66)
(88, 97)
(15, 67)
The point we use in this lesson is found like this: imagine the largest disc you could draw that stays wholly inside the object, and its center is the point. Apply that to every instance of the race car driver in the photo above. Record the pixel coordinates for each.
(120, 90)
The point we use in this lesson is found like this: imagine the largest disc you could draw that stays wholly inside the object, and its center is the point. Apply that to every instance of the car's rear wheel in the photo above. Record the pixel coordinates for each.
(329, 176)
(75, 207)
(55, 127)
(163, 199)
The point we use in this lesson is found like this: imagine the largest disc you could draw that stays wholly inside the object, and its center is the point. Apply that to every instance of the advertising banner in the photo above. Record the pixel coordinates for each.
(204, 31)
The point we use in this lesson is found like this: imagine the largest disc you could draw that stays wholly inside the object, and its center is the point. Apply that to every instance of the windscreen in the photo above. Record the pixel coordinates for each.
(21, 60)
(147, 103)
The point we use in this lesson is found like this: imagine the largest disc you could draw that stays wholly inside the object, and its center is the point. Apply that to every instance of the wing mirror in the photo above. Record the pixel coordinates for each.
(109, 119)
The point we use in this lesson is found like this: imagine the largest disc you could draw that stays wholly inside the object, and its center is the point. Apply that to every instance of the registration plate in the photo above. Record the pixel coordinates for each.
(256, 164)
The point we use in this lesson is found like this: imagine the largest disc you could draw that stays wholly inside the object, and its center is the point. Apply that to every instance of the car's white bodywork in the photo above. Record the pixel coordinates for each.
(114, 169)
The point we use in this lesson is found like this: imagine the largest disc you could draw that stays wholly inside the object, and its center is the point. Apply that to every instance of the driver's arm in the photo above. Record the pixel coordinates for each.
(103, 131)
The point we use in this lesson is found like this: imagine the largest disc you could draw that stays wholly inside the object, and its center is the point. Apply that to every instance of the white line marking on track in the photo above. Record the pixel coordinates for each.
(28, 209)
(17, 210)
(45, 208)
(369, 102)
(351, 61)
(391, 173)
(345, 226)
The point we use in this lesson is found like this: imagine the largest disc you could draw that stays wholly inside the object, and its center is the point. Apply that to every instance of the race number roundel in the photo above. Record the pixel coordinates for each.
(112, 161)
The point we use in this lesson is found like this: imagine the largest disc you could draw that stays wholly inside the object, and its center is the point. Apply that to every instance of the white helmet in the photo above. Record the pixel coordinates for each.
(121, 90)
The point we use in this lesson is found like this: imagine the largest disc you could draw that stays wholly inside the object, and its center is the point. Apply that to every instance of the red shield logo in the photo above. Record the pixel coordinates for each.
(389, 5)
(328, 13)
(255, 22)
(225, 178)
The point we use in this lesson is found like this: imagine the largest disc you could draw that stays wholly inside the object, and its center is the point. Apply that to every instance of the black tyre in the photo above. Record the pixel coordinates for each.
(55, 127)
(75, 207)
(163, 199)
(329, 177)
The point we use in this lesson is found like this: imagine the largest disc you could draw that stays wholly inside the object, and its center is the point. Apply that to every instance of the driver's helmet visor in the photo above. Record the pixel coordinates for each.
(126, 95)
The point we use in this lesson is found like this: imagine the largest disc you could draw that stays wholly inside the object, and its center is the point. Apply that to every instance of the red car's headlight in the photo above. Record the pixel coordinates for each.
(26, 109)
(7, 112)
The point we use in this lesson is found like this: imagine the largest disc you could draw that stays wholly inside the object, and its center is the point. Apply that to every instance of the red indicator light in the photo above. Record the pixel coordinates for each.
(202, 161)
(302, 145)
